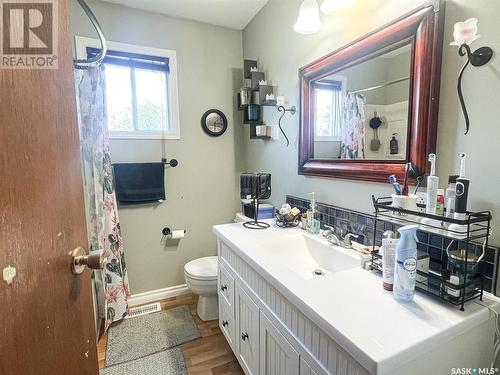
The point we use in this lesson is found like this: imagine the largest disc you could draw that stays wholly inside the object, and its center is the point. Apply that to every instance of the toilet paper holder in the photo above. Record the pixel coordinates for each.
(169, 234)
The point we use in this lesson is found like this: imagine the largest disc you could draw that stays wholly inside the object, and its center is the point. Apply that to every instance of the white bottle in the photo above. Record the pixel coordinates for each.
(388, 259)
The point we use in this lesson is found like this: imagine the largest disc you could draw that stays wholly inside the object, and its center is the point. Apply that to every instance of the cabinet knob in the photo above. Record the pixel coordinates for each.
(244, 336)
(225, 323)
(223, 287)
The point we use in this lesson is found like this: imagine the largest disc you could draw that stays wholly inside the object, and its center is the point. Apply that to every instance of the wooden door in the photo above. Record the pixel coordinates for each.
(247, 332)
(47, 324)
(277, 356)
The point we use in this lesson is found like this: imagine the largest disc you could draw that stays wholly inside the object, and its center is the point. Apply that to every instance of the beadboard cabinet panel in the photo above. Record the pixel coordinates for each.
(322, 353)
(277, 355)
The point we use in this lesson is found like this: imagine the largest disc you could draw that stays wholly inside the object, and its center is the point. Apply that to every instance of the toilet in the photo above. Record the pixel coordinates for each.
(201, 279)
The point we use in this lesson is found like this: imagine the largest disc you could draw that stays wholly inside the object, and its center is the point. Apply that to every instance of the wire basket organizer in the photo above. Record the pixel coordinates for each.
(476, 229)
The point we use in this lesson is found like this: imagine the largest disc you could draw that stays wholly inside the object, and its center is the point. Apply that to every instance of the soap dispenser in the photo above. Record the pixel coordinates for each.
(313, 217)
(394, 145)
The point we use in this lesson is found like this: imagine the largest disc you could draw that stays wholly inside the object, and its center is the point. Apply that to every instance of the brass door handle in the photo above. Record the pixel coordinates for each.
(96, 260)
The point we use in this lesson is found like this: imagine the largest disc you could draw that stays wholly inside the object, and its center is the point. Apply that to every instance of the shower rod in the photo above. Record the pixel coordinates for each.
(94, 60)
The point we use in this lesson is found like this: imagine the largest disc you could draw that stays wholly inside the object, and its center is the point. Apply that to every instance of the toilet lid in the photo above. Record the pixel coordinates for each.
(202, 268)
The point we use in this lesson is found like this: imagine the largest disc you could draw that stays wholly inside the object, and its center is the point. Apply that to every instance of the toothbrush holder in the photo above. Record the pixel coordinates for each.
(406, 202)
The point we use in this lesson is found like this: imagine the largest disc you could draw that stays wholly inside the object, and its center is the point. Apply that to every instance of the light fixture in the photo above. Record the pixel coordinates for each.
(464, 33)
(329, 7)
(308, 21)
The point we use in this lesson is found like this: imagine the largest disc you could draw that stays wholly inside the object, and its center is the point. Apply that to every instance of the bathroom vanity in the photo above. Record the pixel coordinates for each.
(291, 303)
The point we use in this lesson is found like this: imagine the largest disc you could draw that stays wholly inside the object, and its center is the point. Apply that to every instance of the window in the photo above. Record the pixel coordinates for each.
(141, 89)
(328, 95)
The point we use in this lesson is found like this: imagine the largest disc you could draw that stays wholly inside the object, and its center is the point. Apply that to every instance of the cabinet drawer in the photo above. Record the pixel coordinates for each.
(247, 332)
(227, 322)
(225, 283)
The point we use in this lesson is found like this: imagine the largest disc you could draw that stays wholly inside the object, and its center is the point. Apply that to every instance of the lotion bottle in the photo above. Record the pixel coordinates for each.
(405, 268)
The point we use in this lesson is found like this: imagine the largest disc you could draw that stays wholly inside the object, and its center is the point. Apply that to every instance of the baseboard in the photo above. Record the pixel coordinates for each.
(157, 295)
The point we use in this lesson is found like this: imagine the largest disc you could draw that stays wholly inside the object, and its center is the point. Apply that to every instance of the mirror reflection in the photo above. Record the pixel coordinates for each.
(361, 112)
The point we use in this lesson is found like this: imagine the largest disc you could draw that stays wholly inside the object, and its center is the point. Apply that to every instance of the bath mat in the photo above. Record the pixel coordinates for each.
(166, 362)
(147, 334)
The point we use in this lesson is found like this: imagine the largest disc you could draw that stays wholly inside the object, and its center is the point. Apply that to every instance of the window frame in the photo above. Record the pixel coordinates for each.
(343, 89)
(81, 44)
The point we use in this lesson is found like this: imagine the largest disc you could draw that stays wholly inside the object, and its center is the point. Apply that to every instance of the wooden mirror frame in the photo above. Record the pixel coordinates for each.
(423, 28)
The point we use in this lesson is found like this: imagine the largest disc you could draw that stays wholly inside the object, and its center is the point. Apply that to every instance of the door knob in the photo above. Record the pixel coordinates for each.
(96, 260)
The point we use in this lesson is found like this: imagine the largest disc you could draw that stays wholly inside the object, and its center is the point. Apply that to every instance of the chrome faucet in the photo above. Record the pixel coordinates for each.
(347, 242)
(330, 236)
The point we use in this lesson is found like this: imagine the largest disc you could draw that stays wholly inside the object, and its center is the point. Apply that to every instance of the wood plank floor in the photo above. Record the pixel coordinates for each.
(210, 354)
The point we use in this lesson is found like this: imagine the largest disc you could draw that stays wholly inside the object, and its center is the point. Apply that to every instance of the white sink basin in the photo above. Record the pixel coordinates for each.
(309, 256)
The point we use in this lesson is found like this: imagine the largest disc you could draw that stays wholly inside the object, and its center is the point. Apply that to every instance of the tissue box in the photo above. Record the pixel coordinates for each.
(266, 211)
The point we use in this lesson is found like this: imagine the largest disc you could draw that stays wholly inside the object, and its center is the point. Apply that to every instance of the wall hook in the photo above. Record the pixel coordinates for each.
(292, 110)
(479, 57)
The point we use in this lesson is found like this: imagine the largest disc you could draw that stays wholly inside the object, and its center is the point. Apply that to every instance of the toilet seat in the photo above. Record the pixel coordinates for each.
(202, 268)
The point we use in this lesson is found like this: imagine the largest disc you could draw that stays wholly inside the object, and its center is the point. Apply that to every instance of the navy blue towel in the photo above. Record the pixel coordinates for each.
(137, 183)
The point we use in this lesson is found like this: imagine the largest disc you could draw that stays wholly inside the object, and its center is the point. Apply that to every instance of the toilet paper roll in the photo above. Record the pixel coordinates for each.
(177, 234)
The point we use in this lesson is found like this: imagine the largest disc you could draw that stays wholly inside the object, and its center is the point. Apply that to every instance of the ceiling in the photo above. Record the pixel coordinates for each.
(235, 14)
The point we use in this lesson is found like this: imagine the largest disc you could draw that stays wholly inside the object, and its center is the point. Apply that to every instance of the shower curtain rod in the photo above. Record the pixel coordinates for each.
(92, 61)
(381, 86)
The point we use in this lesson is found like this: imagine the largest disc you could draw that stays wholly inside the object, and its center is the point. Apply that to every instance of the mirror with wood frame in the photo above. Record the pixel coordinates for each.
(370, 107)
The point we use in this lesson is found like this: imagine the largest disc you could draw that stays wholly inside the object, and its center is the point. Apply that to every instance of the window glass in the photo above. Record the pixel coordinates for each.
(119, 98)
(151, 94)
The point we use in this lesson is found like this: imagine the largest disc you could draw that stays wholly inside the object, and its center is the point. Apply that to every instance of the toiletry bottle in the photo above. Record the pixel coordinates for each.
(432, 186)
(405, 268)
(450, 195)
(394, 145)
(313, 222)
(388, 250)
(440, 202)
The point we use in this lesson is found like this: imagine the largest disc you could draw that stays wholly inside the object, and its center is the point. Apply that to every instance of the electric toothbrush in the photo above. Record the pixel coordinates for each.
(432, 187)
(462, 192)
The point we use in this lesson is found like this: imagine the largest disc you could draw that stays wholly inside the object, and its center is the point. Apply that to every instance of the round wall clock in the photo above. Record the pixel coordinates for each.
(214, 122)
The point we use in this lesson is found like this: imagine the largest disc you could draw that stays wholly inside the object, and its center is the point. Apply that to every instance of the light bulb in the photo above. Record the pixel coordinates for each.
(308, 21)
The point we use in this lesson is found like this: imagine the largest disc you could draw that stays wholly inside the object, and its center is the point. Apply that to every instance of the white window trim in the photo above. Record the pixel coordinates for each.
(329, 138)
(81, 44)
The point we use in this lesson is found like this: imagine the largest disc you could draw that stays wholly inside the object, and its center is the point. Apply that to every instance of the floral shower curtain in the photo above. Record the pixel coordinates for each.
(103, 224)
(352, 145)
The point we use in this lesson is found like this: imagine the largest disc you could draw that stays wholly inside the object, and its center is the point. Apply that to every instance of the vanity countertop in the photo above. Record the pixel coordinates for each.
(352, 307)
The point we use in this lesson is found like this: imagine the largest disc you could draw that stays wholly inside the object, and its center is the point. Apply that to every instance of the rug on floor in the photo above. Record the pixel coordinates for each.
(144, 335)
(169, 362)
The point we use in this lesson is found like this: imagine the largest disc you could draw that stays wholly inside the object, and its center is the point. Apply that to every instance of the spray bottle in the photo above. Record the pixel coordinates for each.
(405, 268)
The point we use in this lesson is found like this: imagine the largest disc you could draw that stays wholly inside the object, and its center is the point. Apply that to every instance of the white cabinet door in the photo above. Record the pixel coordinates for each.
(247, 332)
(305, 369)
(277, 356)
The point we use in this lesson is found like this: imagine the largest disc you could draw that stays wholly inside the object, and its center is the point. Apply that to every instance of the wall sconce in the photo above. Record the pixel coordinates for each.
(308, 21)
(464, 33)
